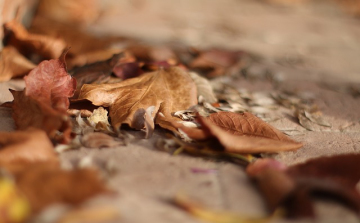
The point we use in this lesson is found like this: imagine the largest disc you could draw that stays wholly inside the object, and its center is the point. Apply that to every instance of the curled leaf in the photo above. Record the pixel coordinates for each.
(204, 88)
(13, 64)
(241, 133)
(28, 43)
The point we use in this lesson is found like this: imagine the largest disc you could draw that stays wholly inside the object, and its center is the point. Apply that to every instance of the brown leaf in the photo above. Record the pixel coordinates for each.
(127, 70)
(44, 101)
(28, 43)
(294, 188)
(81, 42)
(45, 184)
(80, 60)
(216, 62)
(13, 64)
(338, 168)
(31, 145)
(96, 72)
(241, 133)
(168, 90)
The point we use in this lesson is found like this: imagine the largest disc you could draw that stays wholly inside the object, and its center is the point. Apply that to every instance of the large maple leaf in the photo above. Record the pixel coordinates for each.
(163, 91)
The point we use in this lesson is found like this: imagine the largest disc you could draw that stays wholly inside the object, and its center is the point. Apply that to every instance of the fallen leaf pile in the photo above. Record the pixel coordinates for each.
(107, 91)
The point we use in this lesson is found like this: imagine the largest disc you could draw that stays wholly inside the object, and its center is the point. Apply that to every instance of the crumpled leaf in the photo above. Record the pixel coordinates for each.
(215, 216)
(13, 64)
(100, 140)
(312, 121)
(99, 120)
(241, 133)
(28, 43)
(294, 187)
(50, 83)
(45, 184)
(168, 90)
(204, 88)
(44, 101)
(31, 145)
(14, 207)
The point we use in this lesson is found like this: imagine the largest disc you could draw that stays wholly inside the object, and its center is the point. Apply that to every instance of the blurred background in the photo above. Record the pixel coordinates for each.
(319, 36)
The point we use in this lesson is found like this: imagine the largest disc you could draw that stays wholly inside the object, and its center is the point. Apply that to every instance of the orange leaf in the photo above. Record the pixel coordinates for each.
(45, 184)
(31, 145)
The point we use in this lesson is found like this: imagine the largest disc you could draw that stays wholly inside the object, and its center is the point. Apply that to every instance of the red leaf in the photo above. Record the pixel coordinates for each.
(50, 83)
(44, 101)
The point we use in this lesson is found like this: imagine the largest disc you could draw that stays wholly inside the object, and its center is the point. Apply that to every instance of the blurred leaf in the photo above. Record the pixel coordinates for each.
(213, 215)
(28, 43)
(13, 64)
(44, 184)
(31, 145)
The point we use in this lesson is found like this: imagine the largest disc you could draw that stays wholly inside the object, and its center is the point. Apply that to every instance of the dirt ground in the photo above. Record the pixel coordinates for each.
(312, 49)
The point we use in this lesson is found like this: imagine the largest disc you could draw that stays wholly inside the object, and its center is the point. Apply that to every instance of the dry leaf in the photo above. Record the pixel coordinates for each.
(216, 62)
(28, 43)
(45, 184)
(80, 60)
(13, 64)
(294, 187)
(241, 133)
(127, 70)
(31, 145)
(44, 101)
(168, 90)
(80, 41)
(204, 88)
(96, 72)
(50, 84)
(99, 120)
(100, 140)
(312, 121)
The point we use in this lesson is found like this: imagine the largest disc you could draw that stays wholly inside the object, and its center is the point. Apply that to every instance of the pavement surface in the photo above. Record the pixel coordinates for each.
(313, 49)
